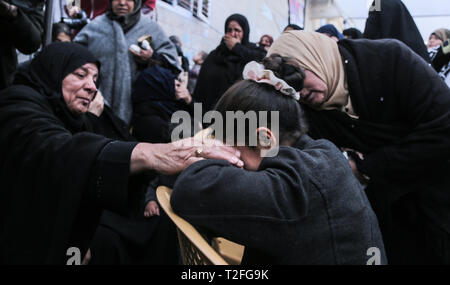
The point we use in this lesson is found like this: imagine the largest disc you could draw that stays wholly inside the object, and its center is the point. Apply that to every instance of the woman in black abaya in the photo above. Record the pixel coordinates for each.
(56, 176)
(224, 66)
(393, 21)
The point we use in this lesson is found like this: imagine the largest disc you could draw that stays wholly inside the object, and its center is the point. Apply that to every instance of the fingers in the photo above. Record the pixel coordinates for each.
(224, 153)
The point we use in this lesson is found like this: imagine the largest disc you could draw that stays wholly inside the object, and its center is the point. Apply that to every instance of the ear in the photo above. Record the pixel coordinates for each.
(266, 139)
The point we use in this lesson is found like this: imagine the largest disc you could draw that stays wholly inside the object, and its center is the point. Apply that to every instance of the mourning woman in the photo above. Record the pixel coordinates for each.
(57, 176)
(110, 36)
(391, 111)
(224, 66)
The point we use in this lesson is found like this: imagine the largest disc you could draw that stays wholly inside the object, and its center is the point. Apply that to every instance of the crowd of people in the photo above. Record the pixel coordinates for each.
(362, 140)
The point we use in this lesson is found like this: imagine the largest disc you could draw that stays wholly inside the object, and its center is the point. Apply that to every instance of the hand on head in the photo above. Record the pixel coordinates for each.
(172, 158)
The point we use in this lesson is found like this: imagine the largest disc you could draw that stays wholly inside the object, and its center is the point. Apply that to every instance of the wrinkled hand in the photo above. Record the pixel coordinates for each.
(172, 158)
(151, 209)
(96, 106)
(182, 93)
(143, 56)
(230, 42)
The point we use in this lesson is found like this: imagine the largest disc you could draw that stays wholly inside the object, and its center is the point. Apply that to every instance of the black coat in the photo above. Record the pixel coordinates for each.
(303, 206)
(403, 131)
(395, 22)
(54, 182)
(23, 33)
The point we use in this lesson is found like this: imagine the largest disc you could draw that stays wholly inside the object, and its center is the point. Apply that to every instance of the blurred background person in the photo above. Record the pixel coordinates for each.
(110, 38)
(330, 31)
(439, 55)
(265, 42)
(21, 28)
(198, 59)
(352, 33)
(61, 33)
(291, 27)
(224, 66)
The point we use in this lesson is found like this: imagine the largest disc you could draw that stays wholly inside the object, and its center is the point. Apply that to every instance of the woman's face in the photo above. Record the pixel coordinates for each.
(434, 41)
(122, 7)
(265, 42)
(79, 88)
(235, 30)
(315, 91)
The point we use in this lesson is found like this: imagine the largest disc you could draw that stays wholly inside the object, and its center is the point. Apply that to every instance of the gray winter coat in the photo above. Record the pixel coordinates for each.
(106, 40)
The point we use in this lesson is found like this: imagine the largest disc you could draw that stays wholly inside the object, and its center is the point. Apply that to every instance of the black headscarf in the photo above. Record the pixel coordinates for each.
(394, 21)
(222, 68)
(47, 71)
(353, 33)
(243, 22)
(127, 21)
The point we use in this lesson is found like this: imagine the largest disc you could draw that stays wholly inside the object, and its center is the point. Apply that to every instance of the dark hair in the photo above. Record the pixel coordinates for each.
(175, 40)
(58, 28)
(353, 33)
(287, 69)
(203, 54)
(267, 36)
(243, 22)
(248, 95)
(294, 27)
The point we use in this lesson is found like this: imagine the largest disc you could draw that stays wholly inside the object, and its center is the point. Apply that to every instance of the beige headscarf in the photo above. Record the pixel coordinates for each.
(319, 54)
(443, 34)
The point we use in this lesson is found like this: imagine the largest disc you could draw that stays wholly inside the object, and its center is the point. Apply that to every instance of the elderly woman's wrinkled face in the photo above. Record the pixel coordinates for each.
(79, 88)
(122, 7)
(434, 41)
(235, 30)
(315, 90)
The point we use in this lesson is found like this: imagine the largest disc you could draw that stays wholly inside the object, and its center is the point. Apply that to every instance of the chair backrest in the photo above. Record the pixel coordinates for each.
(195, 250)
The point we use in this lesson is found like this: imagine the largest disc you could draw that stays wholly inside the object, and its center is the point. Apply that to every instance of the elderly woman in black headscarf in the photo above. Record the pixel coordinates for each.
(110, 36)
(225, 64)
(57, 177)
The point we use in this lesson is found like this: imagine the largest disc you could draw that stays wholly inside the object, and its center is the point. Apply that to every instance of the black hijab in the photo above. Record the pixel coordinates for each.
(222, 68)
(243, 22)
(47, 71)
(394, 21)
(128, 21)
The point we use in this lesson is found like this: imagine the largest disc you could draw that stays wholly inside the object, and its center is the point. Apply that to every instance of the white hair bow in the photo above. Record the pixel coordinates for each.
(257, 72)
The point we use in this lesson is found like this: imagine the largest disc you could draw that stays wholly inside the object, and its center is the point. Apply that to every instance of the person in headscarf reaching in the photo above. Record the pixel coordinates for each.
(57, 175)
(110, 36)
(390, 111)
(224, 66)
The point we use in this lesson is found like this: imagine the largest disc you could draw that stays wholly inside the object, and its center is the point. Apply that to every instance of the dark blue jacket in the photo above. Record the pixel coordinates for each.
(303, 206)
